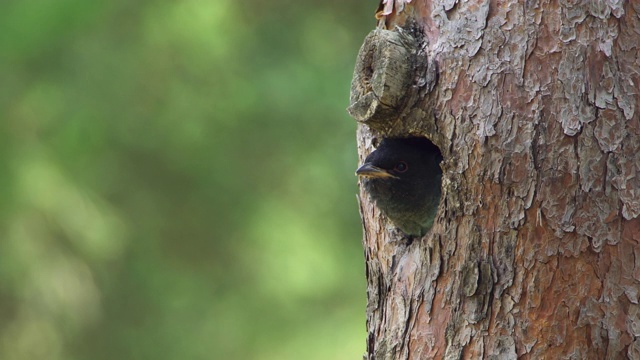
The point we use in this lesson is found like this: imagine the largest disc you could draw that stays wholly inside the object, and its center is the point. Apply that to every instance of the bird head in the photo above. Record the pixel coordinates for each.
(403, 176)
(402, 160)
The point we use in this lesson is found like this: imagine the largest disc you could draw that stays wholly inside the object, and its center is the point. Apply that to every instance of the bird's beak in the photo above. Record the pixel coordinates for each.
(368, 170)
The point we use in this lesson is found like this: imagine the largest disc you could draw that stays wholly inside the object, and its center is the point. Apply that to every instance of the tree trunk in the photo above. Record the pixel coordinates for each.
(535, 249)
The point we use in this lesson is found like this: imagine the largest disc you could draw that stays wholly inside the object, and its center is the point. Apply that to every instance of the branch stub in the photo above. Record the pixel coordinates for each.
(382, 76)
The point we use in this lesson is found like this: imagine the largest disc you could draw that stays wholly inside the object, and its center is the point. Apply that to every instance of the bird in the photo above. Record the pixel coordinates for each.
(404, 179)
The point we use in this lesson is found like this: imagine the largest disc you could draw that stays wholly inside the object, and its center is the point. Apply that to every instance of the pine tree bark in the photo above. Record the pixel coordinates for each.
(535, 251)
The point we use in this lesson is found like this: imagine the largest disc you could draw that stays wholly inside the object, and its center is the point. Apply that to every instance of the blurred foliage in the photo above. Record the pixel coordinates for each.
(177, 180)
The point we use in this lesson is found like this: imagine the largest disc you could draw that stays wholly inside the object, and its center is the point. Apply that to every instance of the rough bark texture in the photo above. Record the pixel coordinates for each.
(536, 248)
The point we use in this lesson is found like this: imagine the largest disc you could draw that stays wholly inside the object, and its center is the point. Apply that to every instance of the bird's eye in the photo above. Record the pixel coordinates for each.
(401, 167)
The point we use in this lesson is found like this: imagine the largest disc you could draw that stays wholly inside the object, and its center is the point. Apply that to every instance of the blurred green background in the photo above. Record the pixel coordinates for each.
(176, 180)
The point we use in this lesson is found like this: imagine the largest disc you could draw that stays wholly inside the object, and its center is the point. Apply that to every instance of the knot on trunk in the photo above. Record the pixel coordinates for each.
(389, 71)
